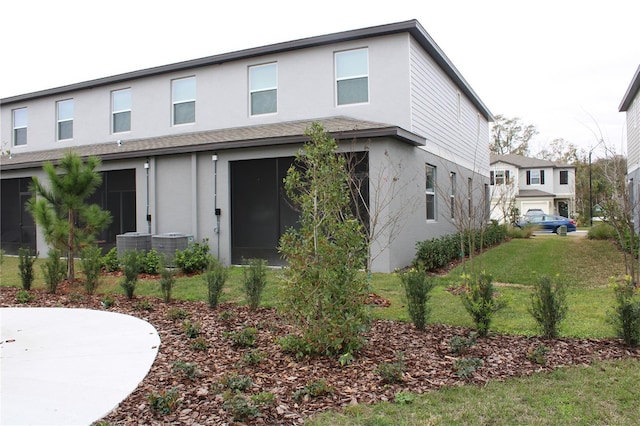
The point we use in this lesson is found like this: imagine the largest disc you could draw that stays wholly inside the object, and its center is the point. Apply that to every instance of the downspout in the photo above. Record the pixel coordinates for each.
(216, 210)
(146, 168)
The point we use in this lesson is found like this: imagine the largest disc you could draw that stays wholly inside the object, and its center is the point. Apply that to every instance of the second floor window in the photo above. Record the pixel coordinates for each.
(535, 177)
(564, 177)
(263, 89)
(352, 76)
(121, 110)
(183, 98)
(430, 191)
(19, 126)
(65, 119)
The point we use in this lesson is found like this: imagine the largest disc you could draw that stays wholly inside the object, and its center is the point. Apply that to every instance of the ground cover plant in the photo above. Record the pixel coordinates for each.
(431, 386)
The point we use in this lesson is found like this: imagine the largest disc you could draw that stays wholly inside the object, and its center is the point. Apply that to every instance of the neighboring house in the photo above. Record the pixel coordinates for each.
(631, 105)
(201, 147)
(528, 183)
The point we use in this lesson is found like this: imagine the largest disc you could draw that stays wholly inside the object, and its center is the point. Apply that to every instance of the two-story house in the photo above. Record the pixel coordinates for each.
(529, 183)
(201, 147)
(631, 105)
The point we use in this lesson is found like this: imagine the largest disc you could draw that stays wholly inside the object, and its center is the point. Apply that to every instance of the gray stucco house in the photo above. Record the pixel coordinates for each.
(201, 147)
(631, 105)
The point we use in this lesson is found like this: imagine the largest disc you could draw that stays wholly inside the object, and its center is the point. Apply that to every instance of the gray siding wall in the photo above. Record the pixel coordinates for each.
(633, 134)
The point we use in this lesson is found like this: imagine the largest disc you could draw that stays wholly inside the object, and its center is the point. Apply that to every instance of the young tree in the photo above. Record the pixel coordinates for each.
(61, 210)
(323, 291)
(511, 136)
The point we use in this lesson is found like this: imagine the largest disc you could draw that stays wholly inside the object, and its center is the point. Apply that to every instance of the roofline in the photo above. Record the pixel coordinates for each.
(553, 165)
(390, 131)
(413, 27)
(631, 93)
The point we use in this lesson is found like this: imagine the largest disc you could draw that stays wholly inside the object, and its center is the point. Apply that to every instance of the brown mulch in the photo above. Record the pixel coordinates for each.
(429, 362)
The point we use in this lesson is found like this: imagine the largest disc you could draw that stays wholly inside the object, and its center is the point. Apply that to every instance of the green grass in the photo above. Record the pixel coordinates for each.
(605, 393)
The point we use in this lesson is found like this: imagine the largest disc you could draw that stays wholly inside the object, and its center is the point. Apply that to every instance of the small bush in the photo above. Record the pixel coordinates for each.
(263, 398)
(131, 267)
(417, 286)
(26, 261)
(479, 300)
(235, 382)
(464, 367)
(216, 276)
(91, 259)
(549, 306)
(167, 281)
(240, 408)
(23, 296)
(193, 259)
(295, 345)
(53, 270)
(313, 390)
(253, 357)
(391, 372)
(244, 338)
(200, 344)
(524, 232)
(191, 329)
(602, 231)
(187, 369)
(107, 302)
(177, 313)
(460, 345)
(538, 354)
(151, 262)
(143, 305)
(164, 402)
(626, 314)
(255, 278)
(110, 261)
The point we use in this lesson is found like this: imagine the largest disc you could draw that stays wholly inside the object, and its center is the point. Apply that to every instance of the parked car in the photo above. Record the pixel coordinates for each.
(548, 223)
(533, 212)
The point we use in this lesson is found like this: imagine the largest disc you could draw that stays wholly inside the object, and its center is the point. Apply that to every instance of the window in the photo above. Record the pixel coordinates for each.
(430, 191)
(183, 97)
(499, 177)
(263, 89)
(564, 177)
(452, 197)
(121, 110)
(19, 126)
(65, 119)
(535, 177)
(352, 76)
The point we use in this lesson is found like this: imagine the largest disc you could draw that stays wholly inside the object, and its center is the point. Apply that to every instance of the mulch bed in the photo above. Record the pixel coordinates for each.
(429, 361)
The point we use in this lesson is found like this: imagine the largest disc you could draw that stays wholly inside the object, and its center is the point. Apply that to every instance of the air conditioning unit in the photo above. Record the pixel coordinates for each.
(133, 241)
(167, 244)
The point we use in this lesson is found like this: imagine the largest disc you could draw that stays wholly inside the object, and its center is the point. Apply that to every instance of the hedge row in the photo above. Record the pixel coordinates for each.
(438, 252)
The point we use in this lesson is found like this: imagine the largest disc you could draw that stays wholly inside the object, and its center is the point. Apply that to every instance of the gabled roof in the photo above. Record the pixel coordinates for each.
(526, 162)
(293, 132)
(632, 91)
(412, 27)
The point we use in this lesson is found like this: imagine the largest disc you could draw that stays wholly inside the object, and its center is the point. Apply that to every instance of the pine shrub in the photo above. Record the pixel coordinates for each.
(479, 300)
(216, 276)
(131, 267)
(53, 270)
(549, 306)
(417, 286)
(255, 279)
(626, 314)
(25, 265)
(91, 260)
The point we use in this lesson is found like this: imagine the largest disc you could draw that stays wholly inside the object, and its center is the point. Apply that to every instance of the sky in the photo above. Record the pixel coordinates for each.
(560, 65)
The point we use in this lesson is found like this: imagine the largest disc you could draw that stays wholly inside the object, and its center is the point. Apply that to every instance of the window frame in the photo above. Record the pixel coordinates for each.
(253, 91)
(564, 181)
(65, 120)
(115, 112)
(16, 129)
(430, 192)
(343, 78)
(534, 176)
(175, 102)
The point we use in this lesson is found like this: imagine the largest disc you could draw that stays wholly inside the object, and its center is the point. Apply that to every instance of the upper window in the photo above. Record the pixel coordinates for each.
(430, 191)
(535, 177)
(19, 126)
(263, 89)
(65, 119)
(564, 177)
(183, 98)
(121, 110)
(352, 76)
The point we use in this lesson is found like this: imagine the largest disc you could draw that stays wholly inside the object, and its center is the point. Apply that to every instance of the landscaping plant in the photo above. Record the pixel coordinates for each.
(193, 259)
(417, 286)
(110, 261)
(25, 266)
(626, 314)
(323, 293)
(91, 260)
(131, 268)
(549, 306)
(167, 281)
(255, 278)
(479, 300)
(53, 270)
(215, 277)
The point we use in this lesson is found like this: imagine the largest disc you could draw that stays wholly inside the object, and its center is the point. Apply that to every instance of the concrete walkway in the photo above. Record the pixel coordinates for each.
(63, 366)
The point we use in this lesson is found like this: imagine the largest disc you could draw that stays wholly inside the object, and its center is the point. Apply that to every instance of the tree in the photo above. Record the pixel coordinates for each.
(511, 136)
(561, 151)
(61, 210)
(323, 291)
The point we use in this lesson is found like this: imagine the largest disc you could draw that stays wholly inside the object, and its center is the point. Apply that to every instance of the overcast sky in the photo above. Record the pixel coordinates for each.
(561, 65)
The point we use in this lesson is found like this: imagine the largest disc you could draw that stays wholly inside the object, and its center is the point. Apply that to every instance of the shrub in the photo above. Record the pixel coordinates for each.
(538, 354)
(164, 402)
(295, 345)
(549, 306)
(91, 260)
(187, 369)
(53, 270)
(253, 357)
(131, 267)
(143, 305)
(216, 276)
(244, 338)
(200, 344)
(626, 314)
(602, 231)
(167, 280)
(23, 296)
(25, 265)
(464, 367)
(177, 313)
(479, 300)
(235, 382)
(417, 286)
(191, 329)
(391, 372)
(313, 390)
(460, 345)
(240, 408)
(110, 261)
(193, 259)
(107, 301)
(263, 398)
(524, 232)
(255, 278)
